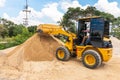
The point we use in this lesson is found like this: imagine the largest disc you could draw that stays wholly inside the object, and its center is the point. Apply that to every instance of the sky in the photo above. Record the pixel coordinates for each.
(51, 11)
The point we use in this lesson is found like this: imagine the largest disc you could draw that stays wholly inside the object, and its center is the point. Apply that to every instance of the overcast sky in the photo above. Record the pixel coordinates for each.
(51, 11)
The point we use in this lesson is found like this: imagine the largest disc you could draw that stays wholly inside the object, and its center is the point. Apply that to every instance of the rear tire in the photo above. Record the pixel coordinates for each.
(91, 59)
(62, 53)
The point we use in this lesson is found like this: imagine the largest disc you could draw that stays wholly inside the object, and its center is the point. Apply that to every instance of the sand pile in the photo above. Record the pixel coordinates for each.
(116, 46)
(36, 48)
(54, 70)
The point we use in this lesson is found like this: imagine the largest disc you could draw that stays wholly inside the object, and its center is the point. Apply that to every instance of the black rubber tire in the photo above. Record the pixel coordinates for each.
(66, 53)
(97, 57)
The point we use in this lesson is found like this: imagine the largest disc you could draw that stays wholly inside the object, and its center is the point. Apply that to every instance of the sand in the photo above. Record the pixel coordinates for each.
(36, 48)
(30, 61)
(116, 46)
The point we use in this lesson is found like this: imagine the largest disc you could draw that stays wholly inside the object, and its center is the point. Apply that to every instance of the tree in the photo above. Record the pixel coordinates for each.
(20, 38)
(3, 31)
(107, 16)
(70, 17)
(116, 22)
(90, 11)
(73, 14)
(15, 30)
(32, 29)
(116, 32)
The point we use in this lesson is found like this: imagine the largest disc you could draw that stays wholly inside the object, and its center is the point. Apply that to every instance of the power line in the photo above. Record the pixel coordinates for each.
(25, 22)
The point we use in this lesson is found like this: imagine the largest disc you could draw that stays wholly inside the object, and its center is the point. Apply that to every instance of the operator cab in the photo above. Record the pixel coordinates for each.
(98, 31)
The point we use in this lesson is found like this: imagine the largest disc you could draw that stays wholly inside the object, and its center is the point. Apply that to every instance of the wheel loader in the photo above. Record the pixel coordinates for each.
(97, 48)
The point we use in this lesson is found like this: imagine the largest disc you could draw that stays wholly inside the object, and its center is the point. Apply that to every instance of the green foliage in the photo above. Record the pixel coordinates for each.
(6, 45)
(116, 22)
(16, 40)
(32, 29)
(89, 11)
(20, 38)
(116, 32)
(2, 46)
(107, 16)
(17, 34)
(69, 17)
(3, 31)
(15, 30)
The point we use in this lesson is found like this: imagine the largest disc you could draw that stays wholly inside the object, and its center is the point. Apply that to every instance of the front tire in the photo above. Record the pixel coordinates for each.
(91, 59)
(62, 53)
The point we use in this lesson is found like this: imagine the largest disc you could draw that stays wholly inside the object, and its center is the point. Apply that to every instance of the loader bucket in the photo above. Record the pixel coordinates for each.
(47, 29)
(41, 33)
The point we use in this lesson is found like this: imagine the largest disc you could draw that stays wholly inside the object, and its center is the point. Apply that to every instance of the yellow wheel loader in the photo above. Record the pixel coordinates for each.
(94, 50)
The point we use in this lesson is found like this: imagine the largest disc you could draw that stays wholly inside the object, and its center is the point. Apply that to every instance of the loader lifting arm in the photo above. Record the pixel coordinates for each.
(57, 30)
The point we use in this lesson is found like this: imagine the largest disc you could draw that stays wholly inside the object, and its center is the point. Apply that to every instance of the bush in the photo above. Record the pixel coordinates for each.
(19, 39)
(116, 32)
(6, 45)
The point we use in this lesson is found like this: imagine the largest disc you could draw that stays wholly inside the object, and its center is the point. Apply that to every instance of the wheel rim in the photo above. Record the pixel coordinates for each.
(90, 59)
(61, 54)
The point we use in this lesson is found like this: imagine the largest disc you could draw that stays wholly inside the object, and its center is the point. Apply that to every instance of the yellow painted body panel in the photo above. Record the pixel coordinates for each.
(80, 50)
(106, 53)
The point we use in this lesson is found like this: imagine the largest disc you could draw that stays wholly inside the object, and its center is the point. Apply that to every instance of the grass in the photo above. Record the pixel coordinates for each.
(6, 43)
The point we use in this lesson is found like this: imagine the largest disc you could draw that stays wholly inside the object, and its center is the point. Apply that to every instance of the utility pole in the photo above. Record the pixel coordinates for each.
(25, 22)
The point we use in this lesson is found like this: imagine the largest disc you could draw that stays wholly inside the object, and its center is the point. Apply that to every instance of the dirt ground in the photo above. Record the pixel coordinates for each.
(59, 70)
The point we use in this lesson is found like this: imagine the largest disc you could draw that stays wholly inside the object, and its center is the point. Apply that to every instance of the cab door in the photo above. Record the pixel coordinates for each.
(97, 31)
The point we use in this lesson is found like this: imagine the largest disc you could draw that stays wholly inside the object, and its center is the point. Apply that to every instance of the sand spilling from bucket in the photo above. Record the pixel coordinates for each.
(36, 48)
